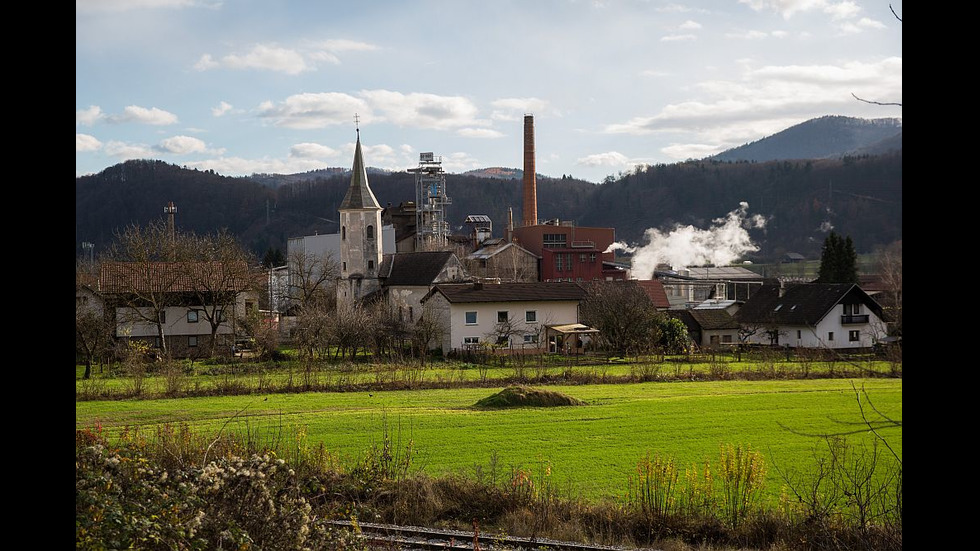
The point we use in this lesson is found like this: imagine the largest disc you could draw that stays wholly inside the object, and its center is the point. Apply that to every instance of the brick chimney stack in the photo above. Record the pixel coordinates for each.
(530, 212)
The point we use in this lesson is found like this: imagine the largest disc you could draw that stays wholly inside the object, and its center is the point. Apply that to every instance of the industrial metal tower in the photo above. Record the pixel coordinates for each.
(431, 226)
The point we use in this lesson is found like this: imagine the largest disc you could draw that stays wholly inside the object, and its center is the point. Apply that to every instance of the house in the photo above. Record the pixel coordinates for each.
(178, 306)
(406, 278)
(837, 316)
(506, 261)
(512, 315)
(709, 328)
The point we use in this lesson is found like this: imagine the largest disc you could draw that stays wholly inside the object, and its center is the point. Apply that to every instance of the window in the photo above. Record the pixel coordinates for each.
(163, 316)
(502, 341)
(568, 262)
(531, 316)
(470, 318)
(192, 341)
(470, 341)
(558, 262)
(553, 241)
(531, 338)
(854, 335)
(411, 314)
(344, 265)
(852, 309)
(343, 232)
(714, 340)
(591, 257)
(799, 334)
(370, 232)
(156, 342)
(830, 336)
(192, 316)
(502, 317)
(581, 257)
(727, 339)
(370, 264)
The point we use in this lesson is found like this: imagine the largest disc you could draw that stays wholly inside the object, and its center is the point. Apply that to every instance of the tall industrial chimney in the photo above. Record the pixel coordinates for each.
(530, 182)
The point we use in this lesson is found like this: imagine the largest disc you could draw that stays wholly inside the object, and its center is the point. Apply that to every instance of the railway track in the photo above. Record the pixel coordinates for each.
(415, 538)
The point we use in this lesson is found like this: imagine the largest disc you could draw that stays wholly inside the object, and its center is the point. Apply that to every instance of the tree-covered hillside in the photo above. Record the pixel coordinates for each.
(802, 201)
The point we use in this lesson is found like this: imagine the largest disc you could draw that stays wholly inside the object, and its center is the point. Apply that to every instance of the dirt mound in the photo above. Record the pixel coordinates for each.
(523, 396)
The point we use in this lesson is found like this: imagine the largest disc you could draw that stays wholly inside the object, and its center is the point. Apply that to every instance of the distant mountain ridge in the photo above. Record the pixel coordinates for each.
(857, 194)
(826, 137)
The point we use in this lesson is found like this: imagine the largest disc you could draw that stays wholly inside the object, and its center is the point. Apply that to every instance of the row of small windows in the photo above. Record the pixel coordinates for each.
(503, 316)
(369, 233)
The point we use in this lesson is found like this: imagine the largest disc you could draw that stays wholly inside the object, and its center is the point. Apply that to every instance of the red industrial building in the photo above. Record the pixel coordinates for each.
(567, 252)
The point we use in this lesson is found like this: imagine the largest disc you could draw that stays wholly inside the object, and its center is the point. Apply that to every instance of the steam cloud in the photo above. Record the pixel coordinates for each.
(726, 241)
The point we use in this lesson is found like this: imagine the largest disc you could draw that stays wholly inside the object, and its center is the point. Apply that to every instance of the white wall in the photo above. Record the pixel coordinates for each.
(548, 313)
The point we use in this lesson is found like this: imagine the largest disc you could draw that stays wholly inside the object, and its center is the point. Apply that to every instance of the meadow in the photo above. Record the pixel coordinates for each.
(589, 451)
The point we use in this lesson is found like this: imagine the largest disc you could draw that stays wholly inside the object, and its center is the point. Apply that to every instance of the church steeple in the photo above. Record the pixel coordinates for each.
(359, 194)
(360, 234)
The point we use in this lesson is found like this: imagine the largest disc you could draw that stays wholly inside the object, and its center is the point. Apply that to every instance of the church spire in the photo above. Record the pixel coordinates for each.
(359, 194)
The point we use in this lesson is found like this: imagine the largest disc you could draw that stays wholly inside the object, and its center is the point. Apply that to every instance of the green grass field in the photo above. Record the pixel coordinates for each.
(591, 450)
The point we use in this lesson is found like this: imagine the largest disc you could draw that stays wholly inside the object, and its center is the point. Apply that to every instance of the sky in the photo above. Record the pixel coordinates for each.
(275, 86)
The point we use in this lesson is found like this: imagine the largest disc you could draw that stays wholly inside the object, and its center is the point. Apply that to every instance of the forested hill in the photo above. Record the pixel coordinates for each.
(822, 138)
(856, 196)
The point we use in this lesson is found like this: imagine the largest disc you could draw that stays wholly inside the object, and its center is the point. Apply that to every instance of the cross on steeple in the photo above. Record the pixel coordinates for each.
(356, 128)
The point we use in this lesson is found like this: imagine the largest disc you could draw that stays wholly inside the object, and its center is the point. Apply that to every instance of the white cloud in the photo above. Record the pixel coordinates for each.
(182, 145)
(683, 152)
(786, 8)
(89, 116)
(307, 111)
(125, 151)
(842, 10)
(514, 109)
(611, 158)
(206, 63)
(311, 151)
(84, 142)
(479, 133)
(678, 38)
(749, 35)
(460, 162)
(689, 25)
(419, 110)
(127, 5)
(223, 108)
(764, 98)
(153, 115)
(268, 57)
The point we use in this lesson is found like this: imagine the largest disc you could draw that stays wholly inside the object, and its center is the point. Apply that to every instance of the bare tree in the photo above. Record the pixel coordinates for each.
(890, 270)
(312, 280)
(218, 272)
(93, 327)
(140, 274)
(627, 320)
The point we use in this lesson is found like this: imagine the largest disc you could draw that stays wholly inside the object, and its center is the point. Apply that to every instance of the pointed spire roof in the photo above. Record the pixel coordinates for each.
(359, 194)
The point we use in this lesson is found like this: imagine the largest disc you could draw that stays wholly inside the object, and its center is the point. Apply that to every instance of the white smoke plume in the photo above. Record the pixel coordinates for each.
(723, 243)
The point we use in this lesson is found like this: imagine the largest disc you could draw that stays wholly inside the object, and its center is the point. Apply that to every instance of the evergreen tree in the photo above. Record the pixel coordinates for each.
(273, 258)
(838, 260)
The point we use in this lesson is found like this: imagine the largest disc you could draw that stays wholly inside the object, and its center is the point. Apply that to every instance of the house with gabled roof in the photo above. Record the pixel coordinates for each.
(406, 278)
(812, 315)
(503, 260)
(511, 315)
(708, 328)
(184, 304)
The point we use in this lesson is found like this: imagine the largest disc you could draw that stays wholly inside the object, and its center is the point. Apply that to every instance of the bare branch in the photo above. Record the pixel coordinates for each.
(895, 14)
(876, 102)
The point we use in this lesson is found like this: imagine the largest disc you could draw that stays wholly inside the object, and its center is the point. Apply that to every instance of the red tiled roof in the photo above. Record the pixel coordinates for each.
(173, 277)
(654, 288)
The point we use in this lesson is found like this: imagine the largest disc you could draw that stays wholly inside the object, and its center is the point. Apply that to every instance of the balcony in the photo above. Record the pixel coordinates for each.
(854, 319)
(583, 244)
